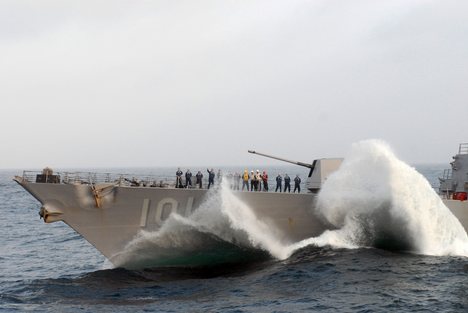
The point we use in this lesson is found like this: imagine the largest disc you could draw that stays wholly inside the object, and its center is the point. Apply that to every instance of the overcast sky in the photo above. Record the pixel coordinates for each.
(167, 83)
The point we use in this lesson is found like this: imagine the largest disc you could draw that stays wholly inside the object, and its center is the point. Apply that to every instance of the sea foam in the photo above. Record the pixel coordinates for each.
(377, 200)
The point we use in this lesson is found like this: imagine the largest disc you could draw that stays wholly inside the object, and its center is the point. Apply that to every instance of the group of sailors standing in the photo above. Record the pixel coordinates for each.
(198, 177)
(255, 181)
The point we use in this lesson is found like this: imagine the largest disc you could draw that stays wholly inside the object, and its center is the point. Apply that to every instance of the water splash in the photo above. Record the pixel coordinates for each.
(376, 200)
(373, 200)
(222, 230)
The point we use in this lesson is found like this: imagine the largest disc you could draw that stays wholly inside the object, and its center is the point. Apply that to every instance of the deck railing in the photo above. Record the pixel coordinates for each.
(119, 179)
(447, 174)
(92, 178)
(131, 180)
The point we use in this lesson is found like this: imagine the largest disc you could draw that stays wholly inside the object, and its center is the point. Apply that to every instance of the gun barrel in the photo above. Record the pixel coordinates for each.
(281, 159)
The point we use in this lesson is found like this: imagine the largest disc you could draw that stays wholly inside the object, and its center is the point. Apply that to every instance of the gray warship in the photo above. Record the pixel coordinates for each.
(453, 186)
(110, 210)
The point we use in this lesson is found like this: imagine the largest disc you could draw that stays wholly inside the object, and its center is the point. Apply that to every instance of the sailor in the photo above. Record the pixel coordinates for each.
(258, 181)
(252, 180)
(188, 179)
(287, 183)
(245, 179)
(179, 178)
(265, 181)
(237, 178)
(279, 181)
(297, 184)
(199, 177)
(211, 177)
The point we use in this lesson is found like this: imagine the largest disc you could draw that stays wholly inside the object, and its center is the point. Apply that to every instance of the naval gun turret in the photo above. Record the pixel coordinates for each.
(320, 169)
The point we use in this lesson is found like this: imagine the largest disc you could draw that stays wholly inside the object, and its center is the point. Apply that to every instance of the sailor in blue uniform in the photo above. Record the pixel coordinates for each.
(199, 177)
(179, 178)
(297, 184)
(211, 177)
(287, 183)
(188, 179)
(279, 182)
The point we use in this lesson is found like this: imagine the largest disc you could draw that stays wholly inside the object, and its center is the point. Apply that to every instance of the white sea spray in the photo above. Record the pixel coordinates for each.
(375, 199)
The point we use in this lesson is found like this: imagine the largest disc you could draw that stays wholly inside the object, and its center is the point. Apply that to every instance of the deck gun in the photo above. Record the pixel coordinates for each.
(320, 169)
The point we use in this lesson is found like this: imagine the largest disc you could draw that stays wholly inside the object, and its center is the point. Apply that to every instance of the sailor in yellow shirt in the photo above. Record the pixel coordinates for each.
(245, 179)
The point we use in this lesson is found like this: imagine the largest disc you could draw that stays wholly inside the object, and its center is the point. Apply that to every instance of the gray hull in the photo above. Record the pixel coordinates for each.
(114, 216)
(460, 210)
(110, 216)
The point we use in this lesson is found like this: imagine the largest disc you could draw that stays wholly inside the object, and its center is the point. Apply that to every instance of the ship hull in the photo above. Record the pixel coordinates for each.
(110, 217)
(109, 220)
(460, 210)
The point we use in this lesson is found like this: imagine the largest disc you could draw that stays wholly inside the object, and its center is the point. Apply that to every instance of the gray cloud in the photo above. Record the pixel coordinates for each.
(119, 83)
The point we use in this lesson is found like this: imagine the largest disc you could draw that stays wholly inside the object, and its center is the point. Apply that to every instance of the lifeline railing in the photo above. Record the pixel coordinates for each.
(447, 174)
(135, 180)
(93, 178)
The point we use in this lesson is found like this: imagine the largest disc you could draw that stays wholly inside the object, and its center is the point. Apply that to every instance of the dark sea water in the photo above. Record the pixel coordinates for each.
(50, 268)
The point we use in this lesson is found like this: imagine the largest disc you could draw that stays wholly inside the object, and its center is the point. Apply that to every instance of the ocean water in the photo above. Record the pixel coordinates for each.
(387, 254)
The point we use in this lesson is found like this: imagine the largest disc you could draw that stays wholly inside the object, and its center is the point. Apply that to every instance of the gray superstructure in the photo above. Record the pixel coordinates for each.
(454, 185)
(454, 182)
